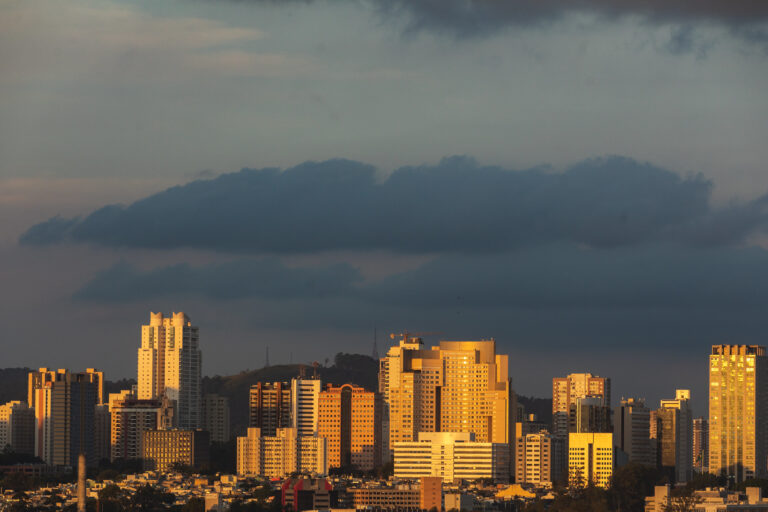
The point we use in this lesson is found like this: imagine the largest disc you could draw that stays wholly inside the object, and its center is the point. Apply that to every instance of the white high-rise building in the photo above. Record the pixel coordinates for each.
(169, 364)
(305, 403)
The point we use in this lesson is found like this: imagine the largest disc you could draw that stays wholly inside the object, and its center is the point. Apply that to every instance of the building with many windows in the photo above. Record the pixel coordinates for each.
(163, 449)
(452, 456)
(64, 403)
(590, 458)
(349, 418)
(305, 405)
(281, 455)
(738, 411)
(631, 431)
(270, 407)
(672, 428)
(169, 364)
(457, 386)
(566, 391)
(17, 427)
(700, 445)
(538, 459)
(130, 417)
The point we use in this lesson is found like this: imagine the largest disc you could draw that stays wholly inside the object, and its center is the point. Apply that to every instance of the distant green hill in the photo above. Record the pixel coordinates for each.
(347, 368)
(356, 369)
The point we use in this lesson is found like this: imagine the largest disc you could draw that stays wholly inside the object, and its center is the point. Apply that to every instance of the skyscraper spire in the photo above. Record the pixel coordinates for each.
(375, 353)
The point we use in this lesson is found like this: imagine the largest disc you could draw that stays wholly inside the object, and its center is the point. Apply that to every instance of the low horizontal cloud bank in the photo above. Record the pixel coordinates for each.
(472, 18)
(262, 278)
(553, 277)
(455, 206)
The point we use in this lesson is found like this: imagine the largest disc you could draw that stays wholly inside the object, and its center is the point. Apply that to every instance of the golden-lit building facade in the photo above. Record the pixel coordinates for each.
(738, 411)
(590, 458)
(457, 386)
(349, 417)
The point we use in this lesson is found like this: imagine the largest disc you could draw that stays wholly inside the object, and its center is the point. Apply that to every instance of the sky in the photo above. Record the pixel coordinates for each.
(584, 182)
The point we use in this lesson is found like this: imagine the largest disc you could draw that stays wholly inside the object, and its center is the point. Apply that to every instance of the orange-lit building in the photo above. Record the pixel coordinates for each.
(349, 418)
(458, 386)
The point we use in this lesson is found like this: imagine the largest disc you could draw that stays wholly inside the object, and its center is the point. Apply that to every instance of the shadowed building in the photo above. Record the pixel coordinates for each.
(64, 405)
(270, 407)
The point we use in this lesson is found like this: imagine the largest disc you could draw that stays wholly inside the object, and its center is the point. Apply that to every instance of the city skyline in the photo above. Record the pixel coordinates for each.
(586, 185)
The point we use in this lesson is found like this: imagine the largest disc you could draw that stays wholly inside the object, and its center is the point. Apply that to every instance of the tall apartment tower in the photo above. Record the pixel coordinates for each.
(567, 390)
(305, 403)
(589, 415)
(349, 420)
(700, 445)
(170, 364)
(631, 431)
(738, 411)
(458, 386)
(270, 407)
(64, 405)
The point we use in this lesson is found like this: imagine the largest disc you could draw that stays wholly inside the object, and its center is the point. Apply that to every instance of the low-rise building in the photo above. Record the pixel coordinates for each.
(281, 455)
(308, 494)
(451, 456)
(590, 458)
(709, 500)
(163, 449)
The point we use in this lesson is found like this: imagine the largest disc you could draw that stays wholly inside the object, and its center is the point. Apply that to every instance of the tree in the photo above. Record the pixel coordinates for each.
(630, 484)
(194, 505)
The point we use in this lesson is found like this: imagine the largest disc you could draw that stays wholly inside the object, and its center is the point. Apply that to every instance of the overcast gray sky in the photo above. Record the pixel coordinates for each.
(608, 204)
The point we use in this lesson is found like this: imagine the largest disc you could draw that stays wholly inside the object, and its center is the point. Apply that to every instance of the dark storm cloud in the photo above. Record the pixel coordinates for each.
(479, 17)
(265, 278)
(566, 276)
(456, 205)
(664, 281)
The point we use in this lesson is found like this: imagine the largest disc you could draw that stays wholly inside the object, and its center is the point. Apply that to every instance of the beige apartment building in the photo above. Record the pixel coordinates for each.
(590, 458)
(349, 418)
(457, 386)
(169, 364)
(538, 459)
(281, 455)
(738, 411)
(566, 391)
(451, 456)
